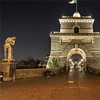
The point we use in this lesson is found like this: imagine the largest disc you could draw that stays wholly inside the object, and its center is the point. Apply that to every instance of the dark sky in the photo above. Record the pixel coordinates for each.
(32, 20)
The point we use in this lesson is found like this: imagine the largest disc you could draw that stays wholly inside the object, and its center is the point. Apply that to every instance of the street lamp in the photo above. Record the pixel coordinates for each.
(81, 60)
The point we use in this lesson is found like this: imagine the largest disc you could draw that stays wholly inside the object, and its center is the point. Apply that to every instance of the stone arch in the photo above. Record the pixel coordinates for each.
(76, 26)
(76, 51)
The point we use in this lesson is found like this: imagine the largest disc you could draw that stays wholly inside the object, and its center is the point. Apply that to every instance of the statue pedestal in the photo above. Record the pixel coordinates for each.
(9, 69)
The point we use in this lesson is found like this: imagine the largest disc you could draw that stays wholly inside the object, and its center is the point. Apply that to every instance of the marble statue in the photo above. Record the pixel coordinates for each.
(8, 51)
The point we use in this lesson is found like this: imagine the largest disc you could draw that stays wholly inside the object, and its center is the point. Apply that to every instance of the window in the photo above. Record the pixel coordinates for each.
(76, 30)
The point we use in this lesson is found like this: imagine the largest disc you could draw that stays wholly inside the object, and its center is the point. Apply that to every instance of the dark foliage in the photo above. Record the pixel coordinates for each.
(30, 63)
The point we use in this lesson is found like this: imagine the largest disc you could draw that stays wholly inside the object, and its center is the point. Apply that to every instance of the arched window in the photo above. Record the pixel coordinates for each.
(76, 30)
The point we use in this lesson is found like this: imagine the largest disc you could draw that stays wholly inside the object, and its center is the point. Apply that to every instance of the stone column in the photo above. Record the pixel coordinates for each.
(9, 69)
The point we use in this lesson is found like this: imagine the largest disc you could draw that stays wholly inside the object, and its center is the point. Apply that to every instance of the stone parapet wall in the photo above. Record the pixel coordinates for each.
(28, 73)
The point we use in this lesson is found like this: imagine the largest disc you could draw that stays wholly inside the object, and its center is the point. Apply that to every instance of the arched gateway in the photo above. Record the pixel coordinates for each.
(76, 36)
(79, 52)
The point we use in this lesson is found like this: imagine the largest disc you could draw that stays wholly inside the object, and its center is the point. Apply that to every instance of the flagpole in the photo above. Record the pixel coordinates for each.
(76, 6)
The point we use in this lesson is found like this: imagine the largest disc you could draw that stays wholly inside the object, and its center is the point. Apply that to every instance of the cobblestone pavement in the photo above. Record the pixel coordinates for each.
(73, 86)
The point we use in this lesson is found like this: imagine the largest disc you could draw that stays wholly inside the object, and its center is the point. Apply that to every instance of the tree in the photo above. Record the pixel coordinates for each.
(21, 64)
(31, 62)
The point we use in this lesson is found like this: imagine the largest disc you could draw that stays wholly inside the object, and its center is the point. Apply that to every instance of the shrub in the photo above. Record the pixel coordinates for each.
(53, 63)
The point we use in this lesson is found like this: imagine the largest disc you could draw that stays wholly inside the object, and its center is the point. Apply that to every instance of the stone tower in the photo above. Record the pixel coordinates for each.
(76, 36)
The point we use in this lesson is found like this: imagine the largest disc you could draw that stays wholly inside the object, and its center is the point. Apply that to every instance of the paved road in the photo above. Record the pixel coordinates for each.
(76, 85)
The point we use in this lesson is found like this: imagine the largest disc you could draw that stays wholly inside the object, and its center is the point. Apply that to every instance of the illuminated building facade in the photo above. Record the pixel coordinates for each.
(76, 36)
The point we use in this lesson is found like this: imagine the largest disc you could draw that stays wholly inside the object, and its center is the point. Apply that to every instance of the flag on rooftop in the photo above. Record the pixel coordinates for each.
(72, 1)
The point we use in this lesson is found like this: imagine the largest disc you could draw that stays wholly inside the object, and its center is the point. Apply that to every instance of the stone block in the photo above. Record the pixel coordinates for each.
(9, 69)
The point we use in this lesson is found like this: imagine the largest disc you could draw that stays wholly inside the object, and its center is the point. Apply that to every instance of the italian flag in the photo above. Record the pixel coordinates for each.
(72, 1)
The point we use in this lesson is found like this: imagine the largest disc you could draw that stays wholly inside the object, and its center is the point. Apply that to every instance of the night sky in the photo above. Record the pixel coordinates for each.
(31, 21)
